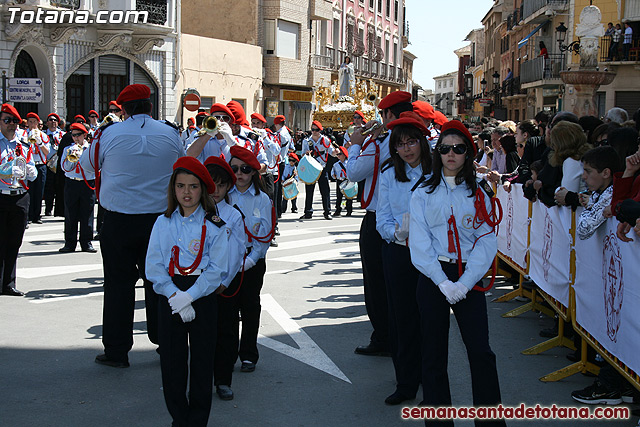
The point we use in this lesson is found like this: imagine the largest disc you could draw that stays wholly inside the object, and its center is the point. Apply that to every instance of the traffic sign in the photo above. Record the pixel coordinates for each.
(191, 102)
(25, 90)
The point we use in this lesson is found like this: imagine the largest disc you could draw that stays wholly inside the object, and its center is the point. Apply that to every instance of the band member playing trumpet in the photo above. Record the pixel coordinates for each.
(358, 122)
(214, 137)
(319, 147)
(39, 146)
(79, 197)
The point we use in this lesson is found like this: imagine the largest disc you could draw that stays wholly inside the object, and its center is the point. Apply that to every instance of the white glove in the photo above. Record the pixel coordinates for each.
(461, 291)
(448, 289)
(212, 133)
(227, 134)
(248, 263)
(179, 301)
(402, 231)
(17, 172)
(261, 132)
(187, 313)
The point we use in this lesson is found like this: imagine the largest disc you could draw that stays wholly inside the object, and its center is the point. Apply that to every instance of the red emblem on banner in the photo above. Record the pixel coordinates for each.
(509, 220)
(613, 284)
(547, 247)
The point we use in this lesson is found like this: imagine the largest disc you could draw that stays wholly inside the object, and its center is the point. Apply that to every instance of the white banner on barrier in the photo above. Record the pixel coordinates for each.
(607, 291)
(550, 250)
(512, 232)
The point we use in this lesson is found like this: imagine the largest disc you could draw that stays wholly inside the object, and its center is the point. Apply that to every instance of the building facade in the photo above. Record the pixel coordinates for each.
(446, 87)
(84, 66)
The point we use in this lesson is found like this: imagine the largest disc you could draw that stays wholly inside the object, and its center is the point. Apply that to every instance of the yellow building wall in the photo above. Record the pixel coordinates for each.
(609, 10)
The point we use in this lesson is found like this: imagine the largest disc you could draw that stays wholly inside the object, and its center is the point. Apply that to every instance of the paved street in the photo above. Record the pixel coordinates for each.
(308, 375)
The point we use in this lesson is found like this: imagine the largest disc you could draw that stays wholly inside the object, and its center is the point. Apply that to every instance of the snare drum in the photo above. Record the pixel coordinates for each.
(290, 189)
(309, 170)
(349, 189)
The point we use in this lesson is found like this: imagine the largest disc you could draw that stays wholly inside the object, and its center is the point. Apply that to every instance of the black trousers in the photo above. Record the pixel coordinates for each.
(79, 201)
(100, 218)
(36, 192)
(471, 315)
(124, 241)
(404, 318)
(269, 185)
(13, 220)
(375, 291)
(50, 192)
(626, 47)
(247, 301)
(188, 347)
(613, 50)
(325, 192)
(278, 199)
(294, 204)
(339, 197)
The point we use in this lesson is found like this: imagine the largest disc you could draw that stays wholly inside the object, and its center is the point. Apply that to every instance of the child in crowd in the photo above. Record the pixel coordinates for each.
(291, 170)
(186, 262)
(339, 173)
(535, 168)
(599, 165)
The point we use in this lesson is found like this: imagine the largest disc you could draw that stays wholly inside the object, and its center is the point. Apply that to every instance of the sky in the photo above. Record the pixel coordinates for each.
(436, 29)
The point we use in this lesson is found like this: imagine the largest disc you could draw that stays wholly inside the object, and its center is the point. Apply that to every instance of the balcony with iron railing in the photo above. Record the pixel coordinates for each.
(512, 87)
(617, 54)
(364, 67)
(530, 7)
(540, 69)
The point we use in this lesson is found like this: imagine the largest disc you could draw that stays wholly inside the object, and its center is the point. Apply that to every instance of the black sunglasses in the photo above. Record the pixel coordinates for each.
(77, 134)
(315, 130)
(245, 169)
(94, 116)
(113, 110)
(11, 120)
(458, 148)
(52, 119)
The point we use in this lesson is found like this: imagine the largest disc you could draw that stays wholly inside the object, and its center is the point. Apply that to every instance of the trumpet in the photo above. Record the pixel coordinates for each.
(34, 134)
(109, 118)
(375, 127)
(209, 125)
(372, 96)
(74, 153)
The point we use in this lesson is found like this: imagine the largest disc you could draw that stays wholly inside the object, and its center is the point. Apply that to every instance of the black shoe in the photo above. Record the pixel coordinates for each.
(104, 360)
(247, 366)
(306, 216)
(66, 249)
(89, 248)
(337, 213)
(597, 394)
(273, 243)
(349, 213)
(327, 216)
(373, 350)
(47, 213)
(37, 221)
(294, 210)
(13, 292)
(277, 231)
(97, 236)
(224, 392)
(397, 398)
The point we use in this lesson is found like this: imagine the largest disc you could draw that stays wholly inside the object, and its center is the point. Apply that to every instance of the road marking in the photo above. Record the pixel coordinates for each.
(58, 270)
(283, 246)
(34, 229)
(309, 352)
(337, 253)
(47, 299)
(304, 231)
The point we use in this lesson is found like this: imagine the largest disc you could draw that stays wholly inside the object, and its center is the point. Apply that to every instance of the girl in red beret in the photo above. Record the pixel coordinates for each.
(187, 260)
(453, 244)
(259, 220)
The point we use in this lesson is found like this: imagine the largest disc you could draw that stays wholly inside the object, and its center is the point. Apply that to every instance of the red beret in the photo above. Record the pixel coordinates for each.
(10, 109)
(201, 114)
(238, 112)
(78, 126)
(33, 116)
(246, 156)
(424, 110)
(194, 166)
(134, 93)
(294, 156)
(80, 116)
(440, 118)
(394, 98)
(115, 104)
(279, 119)
(317, 124)
(457, 125)
(221, 108)
(53, 115)
(259, 117)
(219, 161)
(93, 112)
(344, 151)
(409, 118)
(359, 113)
(191, 120)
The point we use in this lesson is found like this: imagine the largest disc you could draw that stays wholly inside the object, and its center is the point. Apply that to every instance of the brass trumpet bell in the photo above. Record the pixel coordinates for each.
(209, 125)
(371, 97)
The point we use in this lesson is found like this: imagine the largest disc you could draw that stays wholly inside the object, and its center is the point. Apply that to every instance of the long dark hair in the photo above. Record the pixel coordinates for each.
(395, 161)
(468, 172)
(256, 181)
(206, 201)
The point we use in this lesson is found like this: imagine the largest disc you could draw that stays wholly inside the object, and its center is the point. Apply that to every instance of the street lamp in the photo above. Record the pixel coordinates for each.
(496, 78)
(562, 36)
(483, 83)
